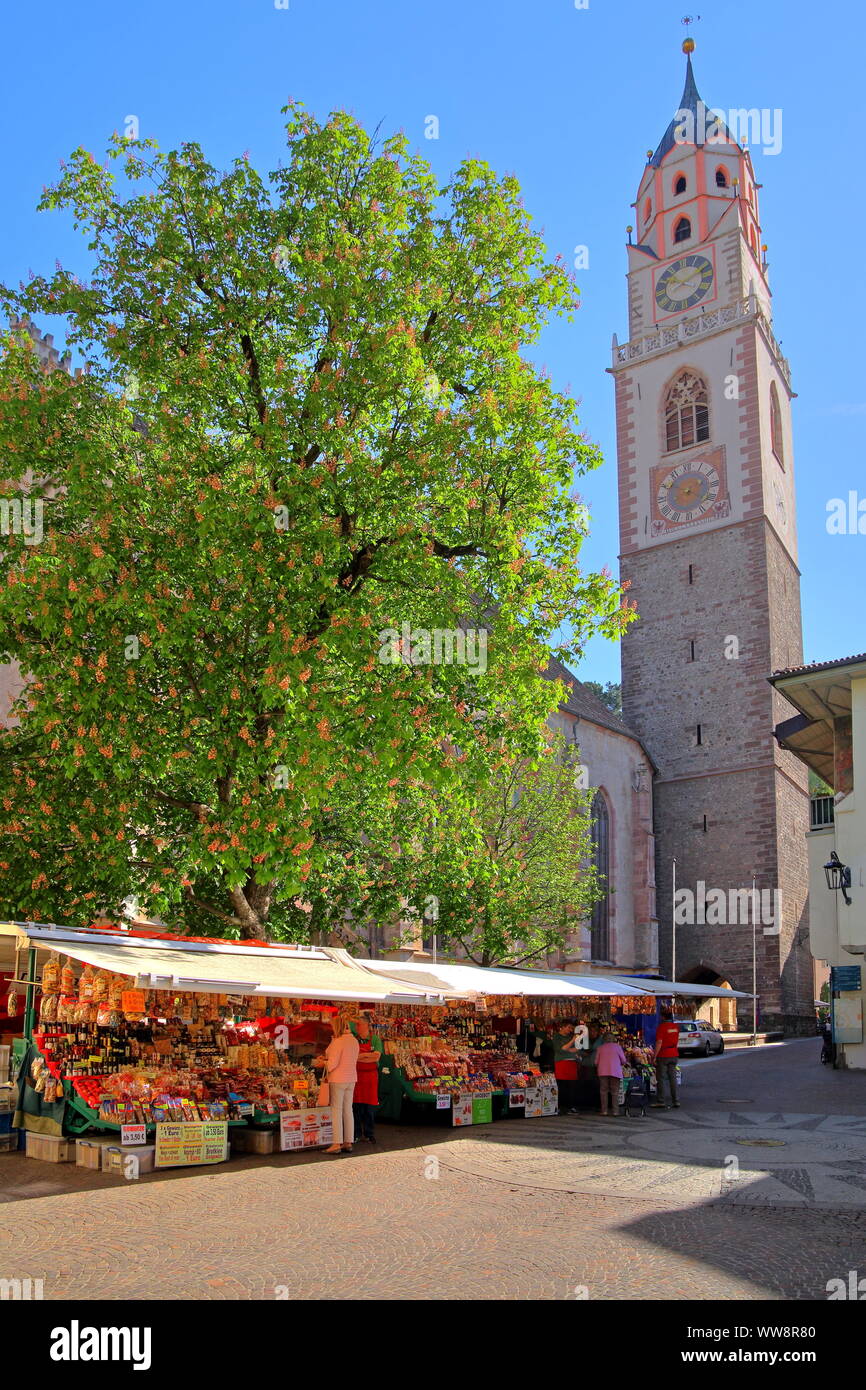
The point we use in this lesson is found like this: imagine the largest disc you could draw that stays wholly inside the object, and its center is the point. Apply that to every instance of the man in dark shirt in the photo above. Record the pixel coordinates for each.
(666, 1053)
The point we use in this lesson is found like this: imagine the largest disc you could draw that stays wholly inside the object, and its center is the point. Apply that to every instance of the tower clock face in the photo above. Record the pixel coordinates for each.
(688, 491)
(683, 283)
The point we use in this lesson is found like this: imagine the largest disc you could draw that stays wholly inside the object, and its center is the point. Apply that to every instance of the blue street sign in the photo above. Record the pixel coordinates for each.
(845, 977)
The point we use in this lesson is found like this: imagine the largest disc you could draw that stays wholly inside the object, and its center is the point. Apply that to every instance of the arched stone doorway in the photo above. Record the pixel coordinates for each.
(718, 1013)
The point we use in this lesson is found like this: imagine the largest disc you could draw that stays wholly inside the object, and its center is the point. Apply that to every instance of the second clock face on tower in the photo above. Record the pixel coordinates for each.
(683, 283)
(688, 491)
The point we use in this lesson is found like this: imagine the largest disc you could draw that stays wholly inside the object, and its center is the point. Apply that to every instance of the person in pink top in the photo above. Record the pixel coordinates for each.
(610, 1060)
(341, 1073)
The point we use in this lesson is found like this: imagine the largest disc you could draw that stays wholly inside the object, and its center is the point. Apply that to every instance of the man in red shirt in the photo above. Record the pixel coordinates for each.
(666, 1054)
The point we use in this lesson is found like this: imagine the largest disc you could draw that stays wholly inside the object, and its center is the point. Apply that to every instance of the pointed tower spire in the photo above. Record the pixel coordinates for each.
(692, 103)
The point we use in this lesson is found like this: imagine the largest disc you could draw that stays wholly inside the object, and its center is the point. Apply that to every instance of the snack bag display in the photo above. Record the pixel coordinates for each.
(67, 978)
(51, 974)
(101, 986)
(48, 1008)
(85, 985)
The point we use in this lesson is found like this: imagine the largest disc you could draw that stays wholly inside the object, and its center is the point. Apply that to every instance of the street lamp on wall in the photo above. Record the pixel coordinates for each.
(838, 876)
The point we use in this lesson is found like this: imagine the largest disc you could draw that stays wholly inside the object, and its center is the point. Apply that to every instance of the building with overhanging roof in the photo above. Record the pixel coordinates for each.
(828, 734)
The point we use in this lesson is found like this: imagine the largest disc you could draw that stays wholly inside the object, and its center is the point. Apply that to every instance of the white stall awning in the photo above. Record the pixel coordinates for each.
(309, 973)
(669, 987)
(478, 980)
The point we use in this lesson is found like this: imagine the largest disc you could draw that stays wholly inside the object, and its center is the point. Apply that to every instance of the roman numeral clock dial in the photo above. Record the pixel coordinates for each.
(688, 491)
(683, 283)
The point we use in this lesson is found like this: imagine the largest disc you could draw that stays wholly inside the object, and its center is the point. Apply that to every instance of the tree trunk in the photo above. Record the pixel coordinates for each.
(250, 916)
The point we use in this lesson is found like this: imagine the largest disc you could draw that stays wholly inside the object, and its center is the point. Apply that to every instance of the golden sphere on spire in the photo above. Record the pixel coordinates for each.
(688, 45)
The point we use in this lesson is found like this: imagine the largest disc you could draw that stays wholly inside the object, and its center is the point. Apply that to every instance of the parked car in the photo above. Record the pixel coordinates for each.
(698, 1038)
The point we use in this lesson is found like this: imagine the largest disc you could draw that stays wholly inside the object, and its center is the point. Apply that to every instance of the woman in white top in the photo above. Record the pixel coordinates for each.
(341, 1073)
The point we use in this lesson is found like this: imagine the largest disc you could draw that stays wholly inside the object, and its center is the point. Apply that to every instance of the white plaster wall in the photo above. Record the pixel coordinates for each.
(712, 358)
(612, 760)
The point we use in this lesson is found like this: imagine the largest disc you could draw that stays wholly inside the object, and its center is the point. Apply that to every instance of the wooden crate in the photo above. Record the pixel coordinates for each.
(50, 1148)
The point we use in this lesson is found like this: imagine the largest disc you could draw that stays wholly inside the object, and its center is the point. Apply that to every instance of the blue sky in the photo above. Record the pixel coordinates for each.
(569, 100)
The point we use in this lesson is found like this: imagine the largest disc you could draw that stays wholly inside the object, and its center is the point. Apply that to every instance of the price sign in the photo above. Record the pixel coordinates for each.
(133, 1134)
(443, 1100)
(482, 1109)
(461, 1110)
(133, 1001)
(179, 1145)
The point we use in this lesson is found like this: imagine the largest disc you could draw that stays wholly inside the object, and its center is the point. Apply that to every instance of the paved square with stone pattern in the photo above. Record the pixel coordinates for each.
(755, 1189)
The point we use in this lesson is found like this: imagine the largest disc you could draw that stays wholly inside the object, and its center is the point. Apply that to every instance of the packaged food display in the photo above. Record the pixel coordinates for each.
(51, 975)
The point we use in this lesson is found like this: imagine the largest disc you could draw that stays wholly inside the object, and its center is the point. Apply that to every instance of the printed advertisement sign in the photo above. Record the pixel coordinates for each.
(532, 1106)
(306, 1129)
(549, 1096)
(461, 1109)
(195, 1142)
(482, 1109)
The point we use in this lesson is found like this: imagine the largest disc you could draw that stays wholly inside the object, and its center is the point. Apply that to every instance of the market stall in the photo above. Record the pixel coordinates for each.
(489, 1046)
(174, 1043)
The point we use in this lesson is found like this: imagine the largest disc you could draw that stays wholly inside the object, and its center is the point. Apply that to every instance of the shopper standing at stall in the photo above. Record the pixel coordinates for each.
(366, 1099)
(610, 1060)
(666, 1054)
(565, 1067)
(341, 1073)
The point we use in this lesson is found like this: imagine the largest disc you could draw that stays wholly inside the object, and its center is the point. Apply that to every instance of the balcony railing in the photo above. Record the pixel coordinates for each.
(821, 812)
(665, 338)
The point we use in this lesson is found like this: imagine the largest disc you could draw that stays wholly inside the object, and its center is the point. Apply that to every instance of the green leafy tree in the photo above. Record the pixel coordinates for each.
(307, 419)
(509, 880)
(609, 694)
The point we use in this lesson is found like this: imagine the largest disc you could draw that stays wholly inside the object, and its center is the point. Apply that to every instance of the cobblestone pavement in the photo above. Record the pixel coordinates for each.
(554, 1208)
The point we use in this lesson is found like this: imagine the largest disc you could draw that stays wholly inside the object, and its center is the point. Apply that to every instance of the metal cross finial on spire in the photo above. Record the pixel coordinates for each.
(689, 43)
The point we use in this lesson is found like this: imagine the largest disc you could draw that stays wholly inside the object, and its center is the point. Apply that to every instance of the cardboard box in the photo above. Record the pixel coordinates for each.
(114, 1156)
(253, 1141)
(50, 1148)
(88, 1152)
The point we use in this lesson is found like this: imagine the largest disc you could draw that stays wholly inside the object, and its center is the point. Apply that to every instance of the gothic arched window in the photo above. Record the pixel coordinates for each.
(682, 230)
(600, 920)
(647, 211)
(776, 437)
(687, 412)
(721, 177)
(680, 184)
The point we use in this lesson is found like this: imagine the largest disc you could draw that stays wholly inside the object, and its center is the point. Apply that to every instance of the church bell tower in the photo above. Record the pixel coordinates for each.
(708, 548)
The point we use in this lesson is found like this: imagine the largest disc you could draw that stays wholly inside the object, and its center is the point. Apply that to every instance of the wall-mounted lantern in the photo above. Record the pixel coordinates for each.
(838, 876)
